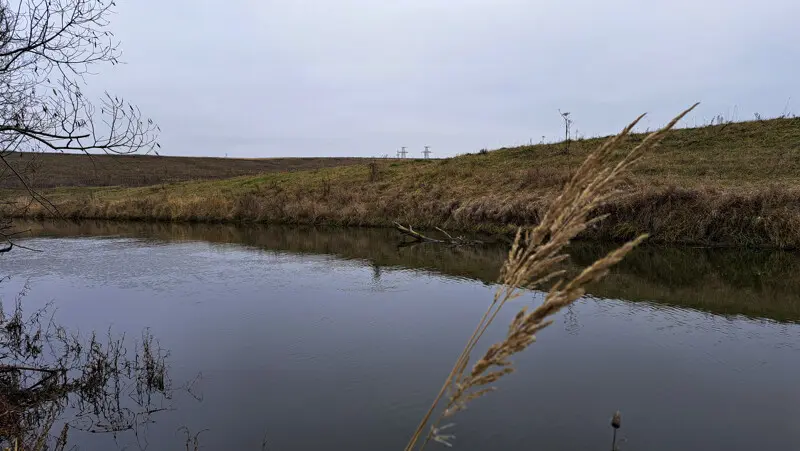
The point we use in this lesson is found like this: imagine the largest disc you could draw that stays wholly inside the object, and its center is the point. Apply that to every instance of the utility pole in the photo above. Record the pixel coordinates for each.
(427, 151)
(403, 152)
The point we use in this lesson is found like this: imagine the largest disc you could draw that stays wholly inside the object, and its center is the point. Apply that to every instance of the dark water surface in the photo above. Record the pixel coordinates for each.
(338, 339)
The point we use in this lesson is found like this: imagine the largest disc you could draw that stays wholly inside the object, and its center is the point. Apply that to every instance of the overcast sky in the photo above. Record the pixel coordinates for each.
(272, 78)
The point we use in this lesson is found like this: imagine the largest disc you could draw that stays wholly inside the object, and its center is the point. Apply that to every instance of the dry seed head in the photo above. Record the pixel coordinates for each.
(532, 260)
(616, 420)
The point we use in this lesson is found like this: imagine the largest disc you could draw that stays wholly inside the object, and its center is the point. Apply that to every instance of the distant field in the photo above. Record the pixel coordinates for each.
(52, 170)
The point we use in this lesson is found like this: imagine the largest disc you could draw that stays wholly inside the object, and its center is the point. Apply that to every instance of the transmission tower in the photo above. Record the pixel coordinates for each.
(427, 151)
(403, 152)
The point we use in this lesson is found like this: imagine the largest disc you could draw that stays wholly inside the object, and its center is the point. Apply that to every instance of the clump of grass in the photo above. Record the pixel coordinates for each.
(533, 260)
(373, 171)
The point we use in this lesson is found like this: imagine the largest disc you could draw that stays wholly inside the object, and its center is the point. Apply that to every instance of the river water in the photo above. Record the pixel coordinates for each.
(328, 339)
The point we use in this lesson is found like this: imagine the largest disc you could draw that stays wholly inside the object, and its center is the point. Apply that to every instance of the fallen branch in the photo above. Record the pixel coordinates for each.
(450, 240)
(408, 231)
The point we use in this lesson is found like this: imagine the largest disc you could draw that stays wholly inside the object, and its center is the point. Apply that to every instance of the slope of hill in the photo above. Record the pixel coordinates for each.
(734, 184)
(50, 170)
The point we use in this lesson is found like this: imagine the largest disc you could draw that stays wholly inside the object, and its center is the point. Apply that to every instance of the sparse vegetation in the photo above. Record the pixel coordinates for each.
(724, 185)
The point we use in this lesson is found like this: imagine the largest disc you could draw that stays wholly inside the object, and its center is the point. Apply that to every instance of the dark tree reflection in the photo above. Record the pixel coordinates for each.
(53, 381)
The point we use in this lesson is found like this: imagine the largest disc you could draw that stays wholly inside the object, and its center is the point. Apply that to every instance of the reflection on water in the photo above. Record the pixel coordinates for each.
(53, 379)
(338, 339)
(757, 284)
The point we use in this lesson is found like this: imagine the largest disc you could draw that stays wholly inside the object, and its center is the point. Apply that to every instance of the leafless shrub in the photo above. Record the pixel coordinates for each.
(46, 48)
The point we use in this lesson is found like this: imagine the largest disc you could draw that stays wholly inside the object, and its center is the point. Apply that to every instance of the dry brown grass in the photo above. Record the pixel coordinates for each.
(732, 186)
(52, 170)
(677, 215)
(533, 260)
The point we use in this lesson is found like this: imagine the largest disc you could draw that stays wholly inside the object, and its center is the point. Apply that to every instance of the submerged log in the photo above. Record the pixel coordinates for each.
(449, 240)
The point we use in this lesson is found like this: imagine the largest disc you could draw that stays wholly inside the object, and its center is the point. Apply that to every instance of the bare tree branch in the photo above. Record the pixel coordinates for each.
(46, 48)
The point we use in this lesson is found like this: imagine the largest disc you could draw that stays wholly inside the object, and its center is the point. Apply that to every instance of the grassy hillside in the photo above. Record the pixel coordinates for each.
(50, 170)
(735, 184)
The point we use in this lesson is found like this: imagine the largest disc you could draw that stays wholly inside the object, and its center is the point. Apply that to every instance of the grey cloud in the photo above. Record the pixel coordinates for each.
(358, 77)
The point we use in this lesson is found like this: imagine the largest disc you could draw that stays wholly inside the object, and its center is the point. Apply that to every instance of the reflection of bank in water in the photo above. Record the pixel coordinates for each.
(759, 284)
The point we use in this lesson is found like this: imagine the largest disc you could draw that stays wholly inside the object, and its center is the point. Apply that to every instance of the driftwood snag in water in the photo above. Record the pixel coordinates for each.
(420, 238)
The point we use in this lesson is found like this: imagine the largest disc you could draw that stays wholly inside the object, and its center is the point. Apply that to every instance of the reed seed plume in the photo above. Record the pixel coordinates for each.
(532, 261)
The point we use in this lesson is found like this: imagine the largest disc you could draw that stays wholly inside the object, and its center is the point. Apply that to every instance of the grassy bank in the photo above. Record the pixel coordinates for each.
(730, 185)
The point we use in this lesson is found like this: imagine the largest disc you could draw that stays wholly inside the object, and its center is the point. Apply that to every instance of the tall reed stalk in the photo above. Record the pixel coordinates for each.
(532, 261)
